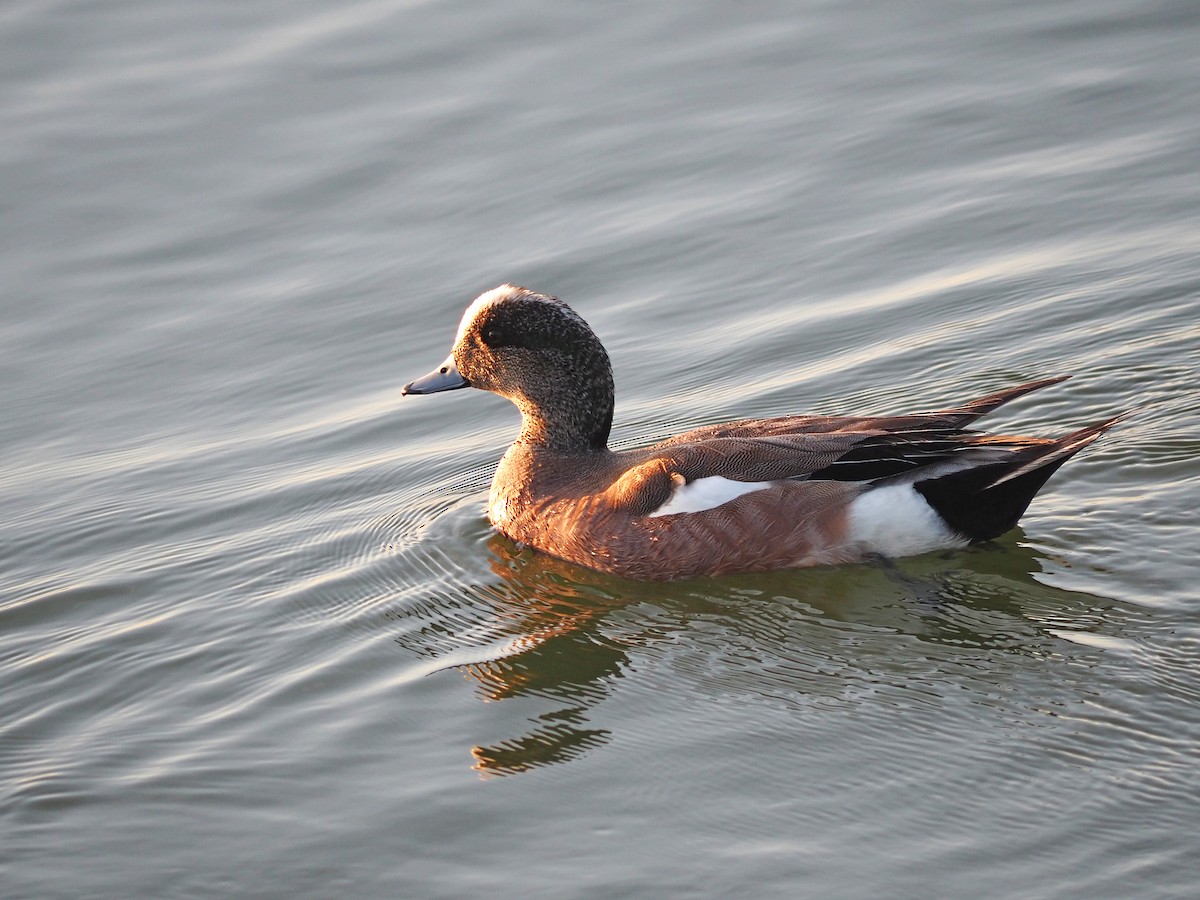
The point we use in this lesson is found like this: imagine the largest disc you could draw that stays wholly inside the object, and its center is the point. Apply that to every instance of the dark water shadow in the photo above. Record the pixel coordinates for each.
(570, 636)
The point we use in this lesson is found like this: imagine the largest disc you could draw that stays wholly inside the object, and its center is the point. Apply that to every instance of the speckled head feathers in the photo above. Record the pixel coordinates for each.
(538, 352)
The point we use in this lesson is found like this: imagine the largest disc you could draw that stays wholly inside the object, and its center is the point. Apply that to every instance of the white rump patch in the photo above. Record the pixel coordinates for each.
(897, 521)
(707, 493)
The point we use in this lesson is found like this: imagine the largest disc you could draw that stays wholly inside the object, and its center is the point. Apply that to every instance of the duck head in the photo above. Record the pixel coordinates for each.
(540, 354)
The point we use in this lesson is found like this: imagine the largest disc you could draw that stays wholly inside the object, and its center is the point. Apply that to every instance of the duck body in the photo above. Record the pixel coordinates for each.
(751, 495)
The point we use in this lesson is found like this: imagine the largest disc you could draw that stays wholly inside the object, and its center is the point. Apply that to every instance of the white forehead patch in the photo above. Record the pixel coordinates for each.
(482, 302)
(500, 295)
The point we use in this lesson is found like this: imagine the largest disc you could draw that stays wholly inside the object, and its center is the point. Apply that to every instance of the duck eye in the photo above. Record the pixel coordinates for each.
(500, 334)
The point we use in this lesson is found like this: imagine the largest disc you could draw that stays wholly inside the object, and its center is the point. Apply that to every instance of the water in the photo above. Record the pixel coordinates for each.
(256, 638)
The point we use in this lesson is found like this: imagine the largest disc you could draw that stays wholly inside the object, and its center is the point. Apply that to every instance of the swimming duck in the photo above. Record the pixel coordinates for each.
(744, 496)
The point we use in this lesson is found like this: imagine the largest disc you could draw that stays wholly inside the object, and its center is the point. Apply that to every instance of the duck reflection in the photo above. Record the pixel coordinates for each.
(817, 635)
(554, 610)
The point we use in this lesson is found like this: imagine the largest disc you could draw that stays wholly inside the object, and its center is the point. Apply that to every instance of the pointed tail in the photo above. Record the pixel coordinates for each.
(967, 413)
(984, 501)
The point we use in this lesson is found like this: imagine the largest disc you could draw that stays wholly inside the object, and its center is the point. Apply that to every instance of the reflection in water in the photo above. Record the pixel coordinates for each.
(556, 609)
(558, 738)
(541, 618)
(805, 638)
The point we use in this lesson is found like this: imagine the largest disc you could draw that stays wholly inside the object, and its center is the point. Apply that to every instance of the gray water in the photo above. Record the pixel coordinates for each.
(256, 637)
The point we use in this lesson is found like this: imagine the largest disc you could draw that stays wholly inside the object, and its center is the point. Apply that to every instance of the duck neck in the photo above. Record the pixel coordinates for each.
(569, 421)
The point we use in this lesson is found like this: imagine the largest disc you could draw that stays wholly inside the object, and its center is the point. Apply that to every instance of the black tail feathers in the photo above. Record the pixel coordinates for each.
(985, 501)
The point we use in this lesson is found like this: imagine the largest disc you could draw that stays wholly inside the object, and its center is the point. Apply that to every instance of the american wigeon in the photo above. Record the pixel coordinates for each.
(743, 496)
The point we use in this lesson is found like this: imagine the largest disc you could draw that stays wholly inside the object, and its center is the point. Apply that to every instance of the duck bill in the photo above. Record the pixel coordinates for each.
(445, 377)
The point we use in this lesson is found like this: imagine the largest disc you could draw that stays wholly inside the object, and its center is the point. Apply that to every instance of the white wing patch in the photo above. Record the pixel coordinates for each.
(707, 493)
(896, 521)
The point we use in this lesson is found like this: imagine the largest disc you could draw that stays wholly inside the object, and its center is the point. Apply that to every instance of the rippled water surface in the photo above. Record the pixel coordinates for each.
(256, 636)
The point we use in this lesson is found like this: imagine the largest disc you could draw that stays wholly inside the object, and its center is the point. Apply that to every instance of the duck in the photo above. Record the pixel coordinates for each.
(743, 496)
